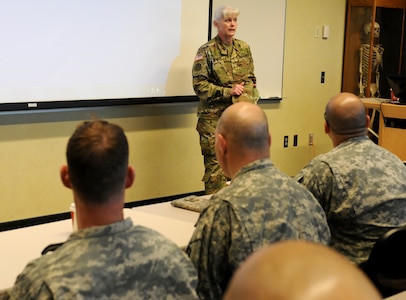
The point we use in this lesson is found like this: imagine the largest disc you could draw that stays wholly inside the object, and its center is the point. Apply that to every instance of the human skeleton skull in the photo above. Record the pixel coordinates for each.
(377, 29)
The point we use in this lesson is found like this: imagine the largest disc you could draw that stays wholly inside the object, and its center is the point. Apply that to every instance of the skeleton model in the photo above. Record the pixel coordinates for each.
(377, 52)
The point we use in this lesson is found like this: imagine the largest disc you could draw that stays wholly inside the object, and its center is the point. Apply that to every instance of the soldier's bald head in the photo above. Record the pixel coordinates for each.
(299, 270)
(245, 125)
(345, 115)
(242, 137)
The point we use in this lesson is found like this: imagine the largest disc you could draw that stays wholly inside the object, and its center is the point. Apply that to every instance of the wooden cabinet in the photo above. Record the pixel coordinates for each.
(374, 46)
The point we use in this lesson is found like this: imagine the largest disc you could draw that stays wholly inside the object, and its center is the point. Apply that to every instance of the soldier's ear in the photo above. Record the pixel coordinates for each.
(326, 127)
(64, 174)
(130, 177)
(221, 144)
(368, 121)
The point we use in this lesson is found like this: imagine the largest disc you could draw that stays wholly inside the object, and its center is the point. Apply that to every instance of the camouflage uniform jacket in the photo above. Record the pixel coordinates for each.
(362, 189)
(215, 72)
(262, 205)
(117, 261)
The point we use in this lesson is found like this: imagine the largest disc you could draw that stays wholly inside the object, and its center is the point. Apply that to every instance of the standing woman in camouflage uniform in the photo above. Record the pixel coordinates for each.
(223, 73)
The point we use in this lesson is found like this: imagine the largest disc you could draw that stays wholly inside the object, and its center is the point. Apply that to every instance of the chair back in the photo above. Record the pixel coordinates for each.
(50, 248)
(386, 265)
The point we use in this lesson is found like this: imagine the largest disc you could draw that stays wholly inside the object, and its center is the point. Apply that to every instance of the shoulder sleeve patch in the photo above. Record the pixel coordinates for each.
(198, 67)
(199, 56)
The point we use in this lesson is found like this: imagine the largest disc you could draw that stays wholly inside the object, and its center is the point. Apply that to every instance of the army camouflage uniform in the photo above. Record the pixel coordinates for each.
(362, 189)
(215, 72)
(261, 206)
(117, 261)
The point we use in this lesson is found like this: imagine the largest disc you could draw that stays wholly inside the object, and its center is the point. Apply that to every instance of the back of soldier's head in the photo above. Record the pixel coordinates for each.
(97, 155)
(345, 114)
(298, 270)
(245, 126)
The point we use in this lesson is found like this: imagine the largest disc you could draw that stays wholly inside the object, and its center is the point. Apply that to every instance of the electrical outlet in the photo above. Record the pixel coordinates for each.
(322, 77)
(285, 141)
(295, 140)
(311, 139)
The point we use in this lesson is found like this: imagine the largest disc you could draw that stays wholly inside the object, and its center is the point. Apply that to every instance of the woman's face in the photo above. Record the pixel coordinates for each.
(227, 27)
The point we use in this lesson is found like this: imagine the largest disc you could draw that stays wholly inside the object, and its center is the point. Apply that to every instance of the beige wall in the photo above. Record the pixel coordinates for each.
(163, 142)
(304, 58)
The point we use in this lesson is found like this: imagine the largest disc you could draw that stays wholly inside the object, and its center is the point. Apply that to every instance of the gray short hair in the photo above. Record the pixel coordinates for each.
(225, 11)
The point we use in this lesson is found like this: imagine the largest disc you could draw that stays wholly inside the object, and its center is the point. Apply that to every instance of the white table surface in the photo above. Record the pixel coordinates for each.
(19, 246)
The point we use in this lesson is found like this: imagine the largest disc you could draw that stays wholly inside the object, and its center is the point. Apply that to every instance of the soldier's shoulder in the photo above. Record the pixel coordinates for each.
(241, 43)
(218, 205)
(212, 44)
(146, 232)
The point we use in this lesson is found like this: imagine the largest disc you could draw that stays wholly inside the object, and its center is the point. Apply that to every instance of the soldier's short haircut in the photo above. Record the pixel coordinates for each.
(255, 138)
(251, 136)
(97, 156)
(224, 12)
(352, 121)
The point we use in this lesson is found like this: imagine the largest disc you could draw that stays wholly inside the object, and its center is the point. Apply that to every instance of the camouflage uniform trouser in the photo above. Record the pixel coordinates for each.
(214, 178)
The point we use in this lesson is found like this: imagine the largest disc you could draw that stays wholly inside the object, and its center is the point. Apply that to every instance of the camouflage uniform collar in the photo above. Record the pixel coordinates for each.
(220, 42)
(222, 47)
(355, 139)
(102, 230)
(255, 165)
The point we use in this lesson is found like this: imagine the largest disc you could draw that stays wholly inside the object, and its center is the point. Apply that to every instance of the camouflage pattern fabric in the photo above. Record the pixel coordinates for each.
(261, 206)
(215, 72)
(362, 188)
(192, 202)
(118, 261)
(214, 178)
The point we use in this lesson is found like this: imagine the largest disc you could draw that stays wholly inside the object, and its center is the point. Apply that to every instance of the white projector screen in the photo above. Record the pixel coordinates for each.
(70, 51)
